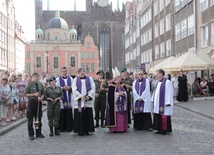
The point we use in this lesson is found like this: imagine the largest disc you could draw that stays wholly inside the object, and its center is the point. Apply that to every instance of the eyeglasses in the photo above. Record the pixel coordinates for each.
(100, 74)
(4, 79)
(19, 75)
(140, 74)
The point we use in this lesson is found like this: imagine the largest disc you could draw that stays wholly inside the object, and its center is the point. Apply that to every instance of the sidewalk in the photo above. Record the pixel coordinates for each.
(201, 107)
(13, 124)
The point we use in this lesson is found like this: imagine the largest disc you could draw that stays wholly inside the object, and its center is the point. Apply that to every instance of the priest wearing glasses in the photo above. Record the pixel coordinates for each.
(163, 103)
(66, 116)
(84, 95)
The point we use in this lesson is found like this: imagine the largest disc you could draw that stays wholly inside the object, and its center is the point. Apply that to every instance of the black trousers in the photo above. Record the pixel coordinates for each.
(32, 116)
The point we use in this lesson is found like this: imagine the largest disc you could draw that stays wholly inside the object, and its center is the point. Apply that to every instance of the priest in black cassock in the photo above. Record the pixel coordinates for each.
(163, 103)
(84, 95)
(182, 88)
(66, 115)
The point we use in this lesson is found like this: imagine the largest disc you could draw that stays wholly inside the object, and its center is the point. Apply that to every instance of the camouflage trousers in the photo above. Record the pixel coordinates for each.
(100, 106)
(53, 113)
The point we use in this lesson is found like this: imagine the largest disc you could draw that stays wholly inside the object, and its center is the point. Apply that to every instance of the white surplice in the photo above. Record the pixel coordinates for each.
(168, 110)
(77, 95)
(145, 96)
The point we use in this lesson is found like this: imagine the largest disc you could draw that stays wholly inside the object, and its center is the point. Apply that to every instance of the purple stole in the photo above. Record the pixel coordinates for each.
(139, 106)
(121, 101)
(162, 96)
(66, 101)
(79, 89)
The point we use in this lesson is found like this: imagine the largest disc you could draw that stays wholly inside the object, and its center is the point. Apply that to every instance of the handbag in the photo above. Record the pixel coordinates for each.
(22, 106)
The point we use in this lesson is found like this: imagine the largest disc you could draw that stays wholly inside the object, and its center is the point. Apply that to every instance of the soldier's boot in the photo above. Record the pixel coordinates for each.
(51, 132)
(56, 131)
(102, 124)
(97, 124)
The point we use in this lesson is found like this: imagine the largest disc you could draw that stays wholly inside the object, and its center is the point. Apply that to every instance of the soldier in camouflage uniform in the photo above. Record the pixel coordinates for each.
(128, 82)
(35, 93)
(100, 98)
(53, 95)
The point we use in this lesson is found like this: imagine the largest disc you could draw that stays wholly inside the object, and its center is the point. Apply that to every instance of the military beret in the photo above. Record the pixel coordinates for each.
(123, 69)
(52, 79)
(100, 71)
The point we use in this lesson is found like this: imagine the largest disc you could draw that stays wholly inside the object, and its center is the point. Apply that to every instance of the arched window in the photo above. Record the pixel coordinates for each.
(104, 49)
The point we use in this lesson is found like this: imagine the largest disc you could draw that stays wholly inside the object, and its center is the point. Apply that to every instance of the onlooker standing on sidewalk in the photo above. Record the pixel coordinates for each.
(14, 100)
(21, 84)
(182, 88)
(163, 103)
(35, 92)
(175, 86)
(5, 99)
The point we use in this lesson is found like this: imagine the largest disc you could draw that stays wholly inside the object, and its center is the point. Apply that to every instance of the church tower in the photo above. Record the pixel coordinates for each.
(88, 5)
(38, 12)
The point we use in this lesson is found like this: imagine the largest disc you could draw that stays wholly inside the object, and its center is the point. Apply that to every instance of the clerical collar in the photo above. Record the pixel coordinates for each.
(64, 77)
(161, 80)
(140, 80)
(83, 77)
(53, 87)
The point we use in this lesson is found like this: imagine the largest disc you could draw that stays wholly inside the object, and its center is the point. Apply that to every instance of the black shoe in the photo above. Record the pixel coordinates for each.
(102, 125)
(97, 125)
(56, 132)
(51, 132)
(86, 133)
(80, 134)
(31, 138)
(40, 136)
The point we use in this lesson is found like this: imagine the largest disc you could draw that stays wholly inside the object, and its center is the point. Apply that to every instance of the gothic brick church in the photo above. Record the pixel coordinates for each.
(104, 25)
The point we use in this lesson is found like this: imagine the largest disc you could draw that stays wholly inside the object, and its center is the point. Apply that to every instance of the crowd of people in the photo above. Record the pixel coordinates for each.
(72, 101)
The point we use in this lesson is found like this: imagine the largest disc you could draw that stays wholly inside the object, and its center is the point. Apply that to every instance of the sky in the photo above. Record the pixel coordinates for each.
(25, 14)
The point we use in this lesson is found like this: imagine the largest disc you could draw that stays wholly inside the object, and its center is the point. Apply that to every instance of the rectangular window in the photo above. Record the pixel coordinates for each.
(27, 67)
(82, 55)
(211, 2)
(168, 23)
(72, 63)
(162, 50)
(203, 4)
(92, 67)
(92, 55)
(156, 8)
(156, 30)
(212, 33)
(177, 5)
(168, 47)
(162, 26)
(38, 62)
(167, 2)
(191, 24)
(161, 3)
(55, 62)
(177, 32)
(157, 52)
(183, 28)
(27, 54)
(204, 36)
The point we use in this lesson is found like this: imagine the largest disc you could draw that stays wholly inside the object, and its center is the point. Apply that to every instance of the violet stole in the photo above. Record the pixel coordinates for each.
(162, 97)
(120, 101)
(67, 100)
(140, 89)
(79, 89)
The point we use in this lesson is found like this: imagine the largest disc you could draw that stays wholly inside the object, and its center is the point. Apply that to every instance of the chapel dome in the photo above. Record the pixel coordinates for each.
(57, 22)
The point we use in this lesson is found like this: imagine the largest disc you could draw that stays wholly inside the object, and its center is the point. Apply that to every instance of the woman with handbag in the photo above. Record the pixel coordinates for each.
(5, 98)
(21, 84)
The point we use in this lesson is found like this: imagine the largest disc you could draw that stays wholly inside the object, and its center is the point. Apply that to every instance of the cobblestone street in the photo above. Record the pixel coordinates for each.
(192, 134)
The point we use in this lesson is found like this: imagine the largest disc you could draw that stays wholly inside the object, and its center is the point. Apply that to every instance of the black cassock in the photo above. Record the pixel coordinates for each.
(182, 90)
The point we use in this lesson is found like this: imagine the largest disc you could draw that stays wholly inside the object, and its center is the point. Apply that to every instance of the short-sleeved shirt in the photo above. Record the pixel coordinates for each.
(31, 89)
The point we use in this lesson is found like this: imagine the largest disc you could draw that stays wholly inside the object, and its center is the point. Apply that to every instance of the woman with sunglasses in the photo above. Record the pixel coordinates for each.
(5, 96)
(141, 103)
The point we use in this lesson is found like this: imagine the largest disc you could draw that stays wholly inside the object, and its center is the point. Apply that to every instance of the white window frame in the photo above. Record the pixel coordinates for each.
(191, 24)
(167, 2)
(183, 28)
(156, 30)
(162, 26)
(155, 8)
(212, 33)
(168, 22)
(168, 47)
(204, 36)
(157, 52)
(177, 31)
(203, 4)
(162, 50)
(161, 5)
